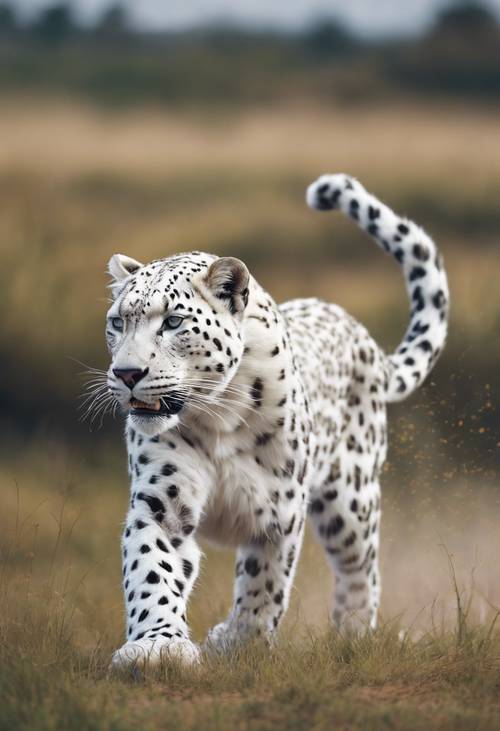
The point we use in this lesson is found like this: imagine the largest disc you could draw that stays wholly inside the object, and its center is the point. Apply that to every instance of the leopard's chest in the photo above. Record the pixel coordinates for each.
(245, 503)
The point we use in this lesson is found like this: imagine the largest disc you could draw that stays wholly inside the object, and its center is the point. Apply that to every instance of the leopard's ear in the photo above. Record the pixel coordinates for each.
(227, 279)
(120, 267)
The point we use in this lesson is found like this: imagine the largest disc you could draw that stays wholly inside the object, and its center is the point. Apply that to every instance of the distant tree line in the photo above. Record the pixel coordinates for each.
(460, 53)
(57, 22)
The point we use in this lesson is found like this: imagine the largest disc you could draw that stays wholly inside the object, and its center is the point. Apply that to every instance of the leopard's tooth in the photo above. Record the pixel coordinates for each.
(136, 404)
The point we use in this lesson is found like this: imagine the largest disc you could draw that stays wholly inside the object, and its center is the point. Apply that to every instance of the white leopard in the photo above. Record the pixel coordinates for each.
(244, 416)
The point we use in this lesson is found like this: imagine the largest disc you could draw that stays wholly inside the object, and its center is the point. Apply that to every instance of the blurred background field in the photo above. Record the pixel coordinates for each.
(115, 140)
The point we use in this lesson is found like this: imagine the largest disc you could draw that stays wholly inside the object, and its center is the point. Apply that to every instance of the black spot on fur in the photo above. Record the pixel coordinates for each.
(252, 566)
(172, 491)
(420, 252)
(438, 299)
(168, 469)
(334, 526)
(256, 391)
(417, 273)
(317, 506)
(155, 504)
(161, 545)
(425, 345)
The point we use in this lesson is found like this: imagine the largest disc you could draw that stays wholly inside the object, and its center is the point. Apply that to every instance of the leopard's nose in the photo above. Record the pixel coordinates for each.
(130, 376)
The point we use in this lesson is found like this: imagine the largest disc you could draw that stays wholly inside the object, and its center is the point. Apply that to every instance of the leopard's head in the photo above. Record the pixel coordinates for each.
(174, 332)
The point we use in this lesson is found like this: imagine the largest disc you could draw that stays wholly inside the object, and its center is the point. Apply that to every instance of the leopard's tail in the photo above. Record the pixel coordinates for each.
(423, 269)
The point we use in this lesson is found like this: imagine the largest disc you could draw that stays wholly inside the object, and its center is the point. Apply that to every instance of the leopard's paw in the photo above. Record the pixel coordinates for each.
(229, 635)
(136, 656)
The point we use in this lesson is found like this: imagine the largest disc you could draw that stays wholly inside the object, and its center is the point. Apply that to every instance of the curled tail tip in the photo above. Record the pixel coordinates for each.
(425, 277)
(324, 193)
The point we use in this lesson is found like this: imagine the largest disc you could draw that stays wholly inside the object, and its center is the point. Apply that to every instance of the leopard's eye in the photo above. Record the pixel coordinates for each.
(117, 323)
(172, 322)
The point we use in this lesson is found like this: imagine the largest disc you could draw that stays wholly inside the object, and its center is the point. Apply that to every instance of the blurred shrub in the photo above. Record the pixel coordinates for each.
(460, 55)
(7, 20)
(54, 23)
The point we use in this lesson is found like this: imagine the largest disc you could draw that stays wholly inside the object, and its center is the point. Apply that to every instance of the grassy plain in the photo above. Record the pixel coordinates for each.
(78, 184)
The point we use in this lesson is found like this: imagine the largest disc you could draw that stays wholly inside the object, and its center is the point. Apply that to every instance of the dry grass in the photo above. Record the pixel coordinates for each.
(438, 144)
(61, 617)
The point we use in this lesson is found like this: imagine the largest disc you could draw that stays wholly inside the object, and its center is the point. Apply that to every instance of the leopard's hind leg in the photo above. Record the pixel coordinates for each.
(345, 512)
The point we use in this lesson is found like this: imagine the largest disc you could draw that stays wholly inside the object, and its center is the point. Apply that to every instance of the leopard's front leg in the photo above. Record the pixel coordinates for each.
(160, 553)
(264, 578)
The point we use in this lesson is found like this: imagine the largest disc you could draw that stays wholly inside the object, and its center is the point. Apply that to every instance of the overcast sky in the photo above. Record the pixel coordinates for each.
(371, 17)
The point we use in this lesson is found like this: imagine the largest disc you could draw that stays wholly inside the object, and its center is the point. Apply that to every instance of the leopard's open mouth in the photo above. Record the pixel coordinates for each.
(165, 406)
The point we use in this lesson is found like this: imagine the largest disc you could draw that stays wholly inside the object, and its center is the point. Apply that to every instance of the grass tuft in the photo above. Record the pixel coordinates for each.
(49, 680)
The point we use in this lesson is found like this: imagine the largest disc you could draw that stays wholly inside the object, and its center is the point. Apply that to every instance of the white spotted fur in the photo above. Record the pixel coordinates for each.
(289, 418)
